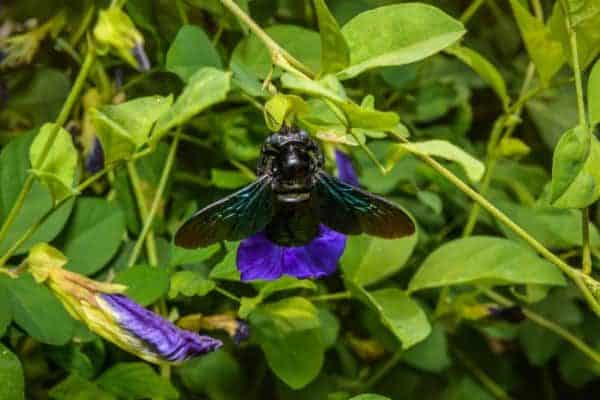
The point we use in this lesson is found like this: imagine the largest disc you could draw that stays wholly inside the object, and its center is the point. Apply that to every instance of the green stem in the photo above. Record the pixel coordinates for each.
(550, 325)
(143, 209)
(227, 294)
(481, 375)
(571, 272)
(586, 248)
(471, 10)
(331, 296)
(155, 203)
(383, 371)
(181, 11)
(279, 55)
(60, 121)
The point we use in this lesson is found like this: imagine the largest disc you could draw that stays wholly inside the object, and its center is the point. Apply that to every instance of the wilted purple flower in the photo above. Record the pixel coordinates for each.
(512, 314)
(140, 56)
(94, 161)
(165, 339)
(260, 258)
(242, 332)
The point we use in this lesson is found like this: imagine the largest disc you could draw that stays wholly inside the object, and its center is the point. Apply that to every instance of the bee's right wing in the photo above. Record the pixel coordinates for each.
(235, 217)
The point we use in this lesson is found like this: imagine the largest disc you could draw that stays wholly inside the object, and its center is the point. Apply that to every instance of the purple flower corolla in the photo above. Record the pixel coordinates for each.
(167, 341)
(94, 161)
(140, 56)
(260, 258)
(242, 332)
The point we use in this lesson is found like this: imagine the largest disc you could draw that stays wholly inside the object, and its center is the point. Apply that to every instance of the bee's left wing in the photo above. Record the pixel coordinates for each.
(235, 217)
(350, 210)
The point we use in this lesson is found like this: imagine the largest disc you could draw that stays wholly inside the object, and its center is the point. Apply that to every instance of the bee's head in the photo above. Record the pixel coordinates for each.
(291, 156)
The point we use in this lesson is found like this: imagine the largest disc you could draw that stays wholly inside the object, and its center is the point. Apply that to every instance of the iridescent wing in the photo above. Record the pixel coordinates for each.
(234, 217)
(350, 210)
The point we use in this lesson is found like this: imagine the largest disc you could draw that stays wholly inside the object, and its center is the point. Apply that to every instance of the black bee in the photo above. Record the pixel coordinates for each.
(290, 198)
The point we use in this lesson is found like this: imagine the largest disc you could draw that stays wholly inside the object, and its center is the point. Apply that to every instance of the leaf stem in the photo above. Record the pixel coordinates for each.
(155, 204)
(279, 55)
(548, 324)
(331, 296)
(143, 209)
(586, 266)
(227, 294)
(60, 121)
(385, 368)
(480, 374)
(471, 10)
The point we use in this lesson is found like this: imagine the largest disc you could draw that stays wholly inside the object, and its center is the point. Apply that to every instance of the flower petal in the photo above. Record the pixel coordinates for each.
(346, 171)
(168, 341)
(259, 258)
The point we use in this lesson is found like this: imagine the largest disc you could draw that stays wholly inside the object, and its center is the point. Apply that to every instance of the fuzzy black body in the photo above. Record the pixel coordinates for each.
(291, 197)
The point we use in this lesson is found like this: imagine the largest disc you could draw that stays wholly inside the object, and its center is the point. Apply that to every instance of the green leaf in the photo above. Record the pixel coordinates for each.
(228, 179)
(484, 259)
(369, 396)
(41, 99)
(136, 380)
(227, 268)
(375, 40)
(300, 42)
(443, 149)
(207, 87)
(431, 354)
(576, 170)
(181, 256)
(191, 50)
(367, 259)
(335, 54)
(145, 284)
(398, 312)
(217, 374)
(585, 23)
(93, 235)
(593, 92)
(5, 311)
(124, 128)
(190, 283)
(282, 109)
(545, 51)
(14, 166)
(289, 334)
(485, 69)
(78, 388)
(58, 169)
(37, 311)
(11, 376)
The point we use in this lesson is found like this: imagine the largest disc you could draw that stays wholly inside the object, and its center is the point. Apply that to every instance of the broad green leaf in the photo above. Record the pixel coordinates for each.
(14, 166)
(93, 235)
(136, 380)
(398, 312)
(554, 228)
(281, 109)
(11, 376)
(443, 149)
(5, 311)
(576, 170)
(545, 51)
(207, 87)
(41, 99)
(375, 40)
(467, 388)
(78, 388)
(431, 354)
(484, 259)
(368, 259)
(289, 334)
(217, 374)
(369, 396)
(37, 311)
(485, 69)
(190, 283)
(330, 326)
(72, 359)
(145, 284)
(593, 93)
(58, 168)
(181, 256)
(300, 42)
(191, 50)
(585, 23)
(124, 128)
(285, 283)
(335, 54)
(227, 268)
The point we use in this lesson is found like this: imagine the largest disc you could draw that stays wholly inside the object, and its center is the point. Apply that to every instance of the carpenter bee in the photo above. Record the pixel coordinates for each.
(290, 198)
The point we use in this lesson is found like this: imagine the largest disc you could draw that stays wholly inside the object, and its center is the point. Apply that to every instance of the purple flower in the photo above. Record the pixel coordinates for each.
(94, 161)
(259, 258)
(140, 57)
(242, 332)
(161, 338)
